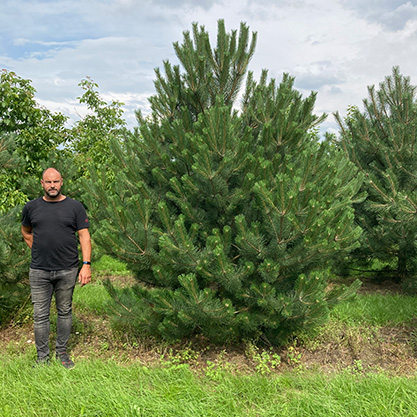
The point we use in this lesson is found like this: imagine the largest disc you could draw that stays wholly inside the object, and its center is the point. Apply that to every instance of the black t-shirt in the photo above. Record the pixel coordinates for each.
(54, 224)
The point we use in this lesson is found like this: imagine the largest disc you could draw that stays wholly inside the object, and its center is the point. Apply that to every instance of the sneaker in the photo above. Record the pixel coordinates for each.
(41, 362)
(65, 360)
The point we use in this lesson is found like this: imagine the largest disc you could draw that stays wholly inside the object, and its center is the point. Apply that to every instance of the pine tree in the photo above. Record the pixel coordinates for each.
(381, 141)
(14, 260)
(228, 219)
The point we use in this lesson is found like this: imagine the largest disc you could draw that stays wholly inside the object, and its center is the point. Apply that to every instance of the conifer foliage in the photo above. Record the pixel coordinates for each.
(13, 257)
(382, 142)
(14, 265)
(227, 218)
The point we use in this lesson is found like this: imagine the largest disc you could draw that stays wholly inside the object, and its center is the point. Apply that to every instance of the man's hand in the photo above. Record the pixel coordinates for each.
(85, 275)
(85, 242)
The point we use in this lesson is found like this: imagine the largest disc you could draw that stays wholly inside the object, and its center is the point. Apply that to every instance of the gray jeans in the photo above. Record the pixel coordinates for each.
(42, 285)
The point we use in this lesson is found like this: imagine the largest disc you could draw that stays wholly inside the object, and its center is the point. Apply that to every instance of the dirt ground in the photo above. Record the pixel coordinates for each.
(388, 349)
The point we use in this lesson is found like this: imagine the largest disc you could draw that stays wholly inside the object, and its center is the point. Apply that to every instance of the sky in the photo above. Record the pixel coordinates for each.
(336, 48)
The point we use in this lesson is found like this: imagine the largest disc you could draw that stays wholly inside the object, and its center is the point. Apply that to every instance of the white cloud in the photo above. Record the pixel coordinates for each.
(335, 47)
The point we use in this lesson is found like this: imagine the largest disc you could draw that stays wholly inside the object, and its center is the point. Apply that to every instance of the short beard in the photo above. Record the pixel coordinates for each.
(53, 196)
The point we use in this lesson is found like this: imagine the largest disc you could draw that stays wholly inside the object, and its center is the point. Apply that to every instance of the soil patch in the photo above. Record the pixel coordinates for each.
(388, 349)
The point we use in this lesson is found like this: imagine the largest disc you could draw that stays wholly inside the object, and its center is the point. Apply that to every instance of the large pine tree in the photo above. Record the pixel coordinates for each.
(227, 218)
(382, 142)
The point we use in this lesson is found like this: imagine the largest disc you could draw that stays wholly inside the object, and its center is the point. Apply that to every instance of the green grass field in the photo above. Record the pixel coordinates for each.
(103, 388)
(111, 378)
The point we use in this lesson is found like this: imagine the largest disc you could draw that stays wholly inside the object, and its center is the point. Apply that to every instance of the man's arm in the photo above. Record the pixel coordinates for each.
(27, 235)
(85, 243)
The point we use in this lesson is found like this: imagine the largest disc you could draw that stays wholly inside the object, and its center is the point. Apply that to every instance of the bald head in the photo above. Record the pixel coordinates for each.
(51, 184)
(50, 171)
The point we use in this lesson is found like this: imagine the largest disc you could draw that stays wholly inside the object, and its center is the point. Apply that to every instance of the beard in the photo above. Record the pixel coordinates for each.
(53, 193)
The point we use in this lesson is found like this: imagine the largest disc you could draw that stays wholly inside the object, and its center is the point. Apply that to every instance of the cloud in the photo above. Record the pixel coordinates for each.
(336, 47)
(175, 4)
(400, 17)
(122, 68)
(317, 75)
(392, 14)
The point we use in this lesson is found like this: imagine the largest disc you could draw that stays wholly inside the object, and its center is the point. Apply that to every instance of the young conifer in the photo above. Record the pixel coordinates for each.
(381, 141)
(227, 218)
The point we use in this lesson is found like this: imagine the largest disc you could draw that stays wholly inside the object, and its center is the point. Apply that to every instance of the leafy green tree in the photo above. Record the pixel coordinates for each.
(10, 195)
(38, 130)
(30, 133)
(228, 219)
(91, 136)
(381, 141)
(30, 137)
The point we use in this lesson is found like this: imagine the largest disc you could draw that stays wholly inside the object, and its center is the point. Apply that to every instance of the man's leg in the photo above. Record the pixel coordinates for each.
(41, 289)
(64, 283)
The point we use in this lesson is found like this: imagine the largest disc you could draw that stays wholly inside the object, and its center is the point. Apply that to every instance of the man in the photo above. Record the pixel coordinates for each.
(49, 227)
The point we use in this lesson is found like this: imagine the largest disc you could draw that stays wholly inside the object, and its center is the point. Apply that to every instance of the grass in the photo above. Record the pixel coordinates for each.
(369, 309)
(377, 310)
(110, 266)
(109, 382)
(91, 299)
(103, 388)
